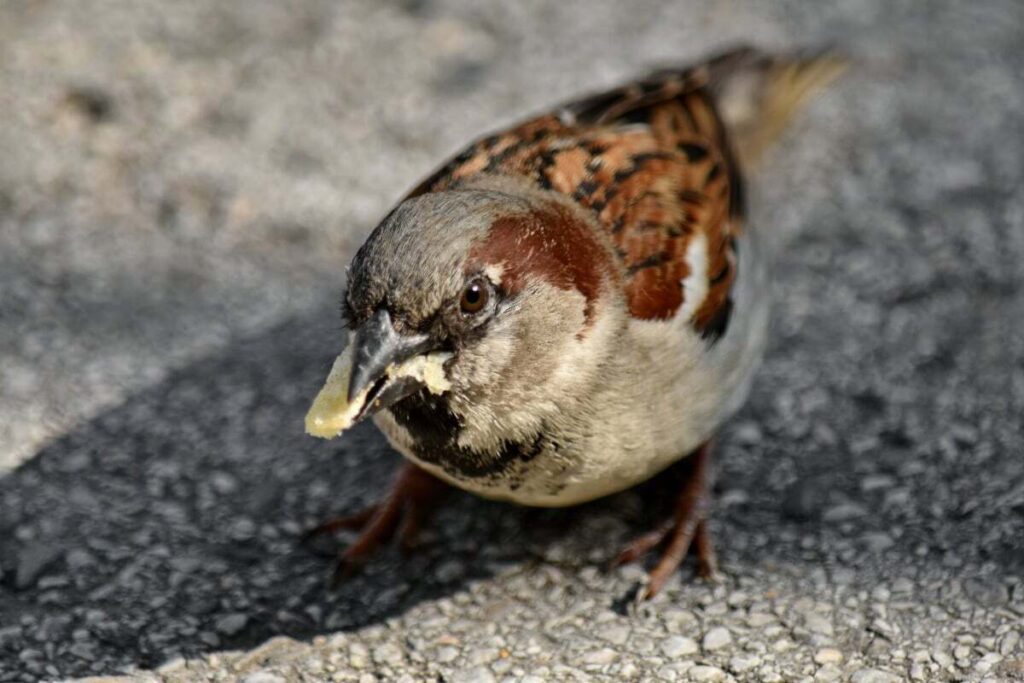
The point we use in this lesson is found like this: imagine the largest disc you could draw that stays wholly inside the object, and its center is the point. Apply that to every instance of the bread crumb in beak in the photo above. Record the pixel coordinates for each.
(332, 413)
(427, 369)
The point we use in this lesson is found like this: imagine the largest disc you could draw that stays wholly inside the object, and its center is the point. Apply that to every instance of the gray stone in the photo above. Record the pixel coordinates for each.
(716, 639)
(231, 624)
(478, 674)
(742, 663)
(83, 651)
(481, 655)
(679, 646)
(605, 655)
(263, 677)
(987, 661)
(79, 558)
(942, 659)
(873, 676)
(878, 541)
(628, 670)
(33, 560)
(388, 653)
(706, 673)
(844, 512)
(358, 656)
(450, 571)
(617, 634)
(446, 654)
(902, 586)
(1008, 643)
(828, 673)
(818, 623)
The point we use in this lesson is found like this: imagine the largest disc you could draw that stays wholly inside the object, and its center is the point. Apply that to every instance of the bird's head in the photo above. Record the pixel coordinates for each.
(486, 297)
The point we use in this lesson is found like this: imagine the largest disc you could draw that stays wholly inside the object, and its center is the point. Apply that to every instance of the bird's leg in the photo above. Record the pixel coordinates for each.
(407, 506)
(356, 520)
(641, 545)
(687, 526)
(707, 559)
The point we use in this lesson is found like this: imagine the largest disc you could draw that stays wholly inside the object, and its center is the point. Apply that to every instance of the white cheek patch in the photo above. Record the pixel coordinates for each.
(695, 285)
(494, 272)
(332, 412)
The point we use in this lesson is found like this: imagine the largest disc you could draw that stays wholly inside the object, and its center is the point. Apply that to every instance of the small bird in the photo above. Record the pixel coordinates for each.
(571, 305)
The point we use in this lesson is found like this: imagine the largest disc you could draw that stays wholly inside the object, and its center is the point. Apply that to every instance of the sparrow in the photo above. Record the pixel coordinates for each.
(571, 305)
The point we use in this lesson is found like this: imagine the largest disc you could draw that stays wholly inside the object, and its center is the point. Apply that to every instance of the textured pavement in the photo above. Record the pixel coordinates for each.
(181, 185)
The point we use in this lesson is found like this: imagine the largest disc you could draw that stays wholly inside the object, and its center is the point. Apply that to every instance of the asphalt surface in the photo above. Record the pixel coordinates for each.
(181, 186)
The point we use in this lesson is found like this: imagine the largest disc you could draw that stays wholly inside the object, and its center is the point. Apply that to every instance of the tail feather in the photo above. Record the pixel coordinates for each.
(758, 94)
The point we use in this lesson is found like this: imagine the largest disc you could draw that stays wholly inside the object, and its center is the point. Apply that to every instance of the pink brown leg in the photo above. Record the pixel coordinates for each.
(413, 496)
(687, 527)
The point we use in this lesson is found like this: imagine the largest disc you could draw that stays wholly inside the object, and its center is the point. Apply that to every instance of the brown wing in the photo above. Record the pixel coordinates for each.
(651, 161)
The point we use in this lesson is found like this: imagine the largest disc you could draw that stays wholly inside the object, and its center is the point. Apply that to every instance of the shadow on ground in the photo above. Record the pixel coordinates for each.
(168, 525)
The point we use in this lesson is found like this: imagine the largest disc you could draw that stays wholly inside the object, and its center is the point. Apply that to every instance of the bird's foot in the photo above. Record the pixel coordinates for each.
(407, 507)
(687, 527)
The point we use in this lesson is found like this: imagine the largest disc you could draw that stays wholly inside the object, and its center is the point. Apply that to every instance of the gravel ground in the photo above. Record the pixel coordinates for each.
(181, 185)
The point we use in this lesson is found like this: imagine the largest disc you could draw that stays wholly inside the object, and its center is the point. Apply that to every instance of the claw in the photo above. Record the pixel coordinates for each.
(344, 569)
(347, 522)
(642, 545)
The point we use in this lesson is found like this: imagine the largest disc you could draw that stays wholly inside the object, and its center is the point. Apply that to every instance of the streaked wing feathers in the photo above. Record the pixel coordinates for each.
(652, 162)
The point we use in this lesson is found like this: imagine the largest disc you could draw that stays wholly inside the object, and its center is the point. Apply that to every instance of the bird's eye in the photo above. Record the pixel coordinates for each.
(474, 297)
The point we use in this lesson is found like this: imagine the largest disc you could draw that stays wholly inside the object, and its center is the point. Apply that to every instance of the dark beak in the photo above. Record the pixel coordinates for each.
(377, 346)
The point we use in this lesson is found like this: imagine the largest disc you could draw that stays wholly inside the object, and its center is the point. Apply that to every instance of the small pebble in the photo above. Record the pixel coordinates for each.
(873, 676)
(716, 639)
(759, 619)
(1009, 643)
(450, 571)
(902, 586)
(33, 561)
(828, 674)
(605, 655)
(741, 663)
(942, 659)
(844, 512)
(358, 656)
(616, 635)
(628, 670)
(876, 542)
(478, 674)
(985, 664)
(706, 673)
(679, 646)
(446, 654)
(817, 623)
(263, 677)
(231, 624)
(388, 653)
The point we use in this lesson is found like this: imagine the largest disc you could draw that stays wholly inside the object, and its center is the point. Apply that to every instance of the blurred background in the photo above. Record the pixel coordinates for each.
(182, 185)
